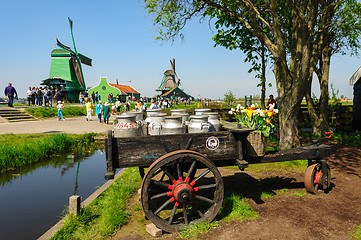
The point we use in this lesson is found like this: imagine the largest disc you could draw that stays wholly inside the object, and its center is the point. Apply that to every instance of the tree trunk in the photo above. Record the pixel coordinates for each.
(263, 79)
(324, 109)
(315, 121)
(289, 103)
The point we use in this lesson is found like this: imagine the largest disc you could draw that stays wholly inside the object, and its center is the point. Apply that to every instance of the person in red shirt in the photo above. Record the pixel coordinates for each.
(271, 100)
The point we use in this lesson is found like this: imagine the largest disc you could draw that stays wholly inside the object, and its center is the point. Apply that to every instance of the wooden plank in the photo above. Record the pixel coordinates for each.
(109, 156)
(142, 151)
(313, 152)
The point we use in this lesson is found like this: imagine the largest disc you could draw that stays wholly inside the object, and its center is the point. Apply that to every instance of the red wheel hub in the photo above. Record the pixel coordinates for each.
(182, 191)
(318, 177)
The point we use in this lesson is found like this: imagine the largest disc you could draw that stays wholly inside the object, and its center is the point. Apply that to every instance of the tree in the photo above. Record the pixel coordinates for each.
(292, 31)
(233, 36)
(342, 31)
(229, 98)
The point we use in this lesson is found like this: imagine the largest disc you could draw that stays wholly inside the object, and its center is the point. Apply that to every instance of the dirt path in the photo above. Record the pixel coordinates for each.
(286, 216)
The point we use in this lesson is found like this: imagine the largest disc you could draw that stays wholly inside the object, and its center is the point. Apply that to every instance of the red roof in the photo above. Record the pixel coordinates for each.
(165, 94)
(124, 89)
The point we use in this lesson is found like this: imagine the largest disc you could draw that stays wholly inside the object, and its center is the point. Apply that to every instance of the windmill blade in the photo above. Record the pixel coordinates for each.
(85, 60)
(63, 46)
(78, 72)
(172, 64)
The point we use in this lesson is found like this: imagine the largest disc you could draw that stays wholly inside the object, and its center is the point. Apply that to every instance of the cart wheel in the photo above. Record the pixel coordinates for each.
(180, 188)
(314, 181)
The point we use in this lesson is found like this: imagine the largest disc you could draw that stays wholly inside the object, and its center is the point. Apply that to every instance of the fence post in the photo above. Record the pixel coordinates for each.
(74, 205)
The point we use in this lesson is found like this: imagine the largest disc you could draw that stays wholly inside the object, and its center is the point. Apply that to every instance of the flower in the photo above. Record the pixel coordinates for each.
(257, 119)
(270, 113)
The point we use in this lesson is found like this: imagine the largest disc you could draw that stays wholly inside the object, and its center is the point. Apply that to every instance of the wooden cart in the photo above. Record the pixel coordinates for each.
(183, 185)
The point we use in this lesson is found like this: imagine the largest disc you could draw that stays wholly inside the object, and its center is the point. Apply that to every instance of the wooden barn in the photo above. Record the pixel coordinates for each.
(356, 83)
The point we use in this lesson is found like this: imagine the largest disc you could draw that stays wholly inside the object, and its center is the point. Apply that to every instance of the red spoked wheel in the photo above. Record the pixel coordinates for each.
(316, 180)
(180, 188)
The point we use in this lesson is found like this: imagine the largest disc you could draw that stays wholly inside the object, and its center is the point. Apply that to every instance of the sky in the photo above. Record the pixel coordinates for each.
(119, 36)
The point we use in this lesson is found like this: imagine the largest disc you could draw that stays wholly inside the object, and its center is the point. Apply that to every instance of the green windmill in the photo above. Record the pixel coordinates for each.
(65, 71)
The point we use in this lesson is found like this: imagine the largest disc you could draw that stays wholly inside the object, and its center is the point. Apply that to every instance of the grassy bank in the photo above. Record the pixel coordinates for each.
(48, 112)
(22, 149)
(106, 213)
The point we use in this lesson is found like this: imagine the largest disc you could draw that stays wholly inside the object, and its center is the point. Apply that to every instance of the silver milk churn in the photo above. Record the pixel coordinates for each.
(151, 112)
(198, 124)
(213, 120)
(200, 111)
(173, 125)
(156, 124)
(177, 111)
(142, 124)
(126, 126)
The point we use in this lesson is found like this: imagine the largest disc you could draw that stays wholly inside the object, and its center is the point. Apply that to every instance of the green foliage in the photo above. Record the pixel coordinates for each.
(236, 207)
(193, 231)
(300, 193)
(229, 98)
(23, 151)
(48, 112)
(357, 233)
(352, 139)
(106, 213)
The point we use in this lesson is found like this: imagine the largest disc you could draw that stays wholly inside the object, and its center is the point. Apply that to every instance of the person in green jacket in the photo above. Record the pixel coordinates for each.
(106, 113)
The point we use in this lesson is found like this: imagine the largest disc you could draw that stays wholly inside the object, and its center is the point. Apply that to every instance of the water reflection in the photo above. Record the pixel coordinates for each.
(63, 162)
(33, 198)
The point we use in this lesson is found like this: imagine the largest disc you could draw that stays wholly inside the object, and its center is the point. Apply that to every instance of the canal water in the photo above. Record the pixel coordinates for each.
(33, 200)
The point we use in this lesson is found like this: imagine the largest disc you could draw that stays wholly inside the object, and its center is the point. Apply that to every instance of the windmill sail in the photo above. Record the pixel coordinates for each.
(78, 72)
(85, 60)
(63, 46)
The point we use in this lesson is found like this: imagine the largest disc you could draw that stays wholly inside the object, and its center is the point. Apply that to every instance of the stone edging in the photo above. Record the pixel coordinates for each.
(50, 233)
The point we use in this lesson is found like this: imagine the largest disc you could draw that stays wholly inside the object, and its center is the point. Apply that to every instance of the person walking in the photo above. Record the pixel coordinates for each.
(98, 111)
(81, 96)
(28, 95)
(49, 98)
(40, 95)
(33, 96)
(106, 113)
(88, 106)
(57, 95)
(11, 93)
(117, 105)
(60, 107)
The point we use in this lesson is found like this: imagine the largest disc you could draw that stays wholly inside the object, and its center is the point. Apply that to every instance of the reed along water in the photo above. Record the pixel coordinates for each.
(33, 199)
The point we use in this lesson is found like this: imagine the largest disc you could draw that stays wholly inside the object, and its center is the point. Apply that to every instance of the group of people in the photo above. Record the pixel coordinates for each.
(101, 110)
(43, 96)
(96, 97)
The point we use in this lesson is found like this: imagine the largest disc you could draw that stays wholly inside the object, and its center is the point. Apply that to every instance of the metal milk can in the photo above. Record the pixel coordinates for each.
(151, 112)
(173, 125)
(142, 124)
(156, 124)
(127, 126)
(198, 124)
(177, 111)
(200, 111)
(215, 124)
